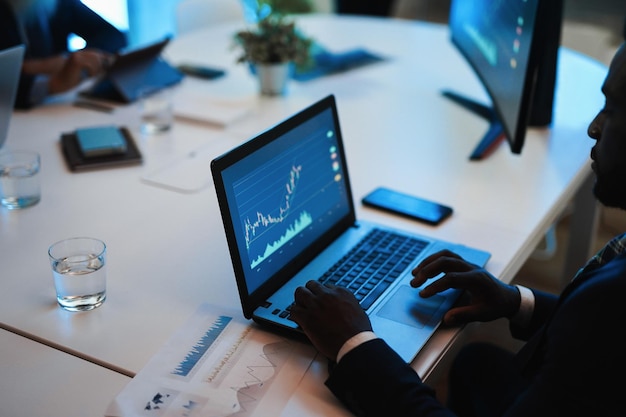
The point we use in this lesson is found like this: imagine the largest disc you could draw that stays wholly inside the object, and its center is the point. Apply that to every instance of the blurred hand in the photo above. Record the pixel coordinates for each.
(329, 316)
(77, 66)
(46, 66)
(490, 298)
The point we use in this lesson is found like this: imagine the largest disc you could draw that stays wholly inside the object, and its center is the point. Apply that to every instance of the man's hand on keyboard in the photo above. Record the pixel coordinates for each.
(490, 298)
(329, 316)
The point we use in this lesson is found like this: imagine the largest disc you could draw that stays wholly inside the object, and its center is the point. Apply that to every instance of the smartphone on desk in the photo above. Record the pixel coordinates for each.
(406, 205)
(200, 71)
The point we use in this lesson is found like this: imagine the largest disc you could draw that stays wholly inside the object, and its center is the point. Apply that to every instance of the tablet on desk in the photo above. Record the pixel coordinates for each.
(133, 70)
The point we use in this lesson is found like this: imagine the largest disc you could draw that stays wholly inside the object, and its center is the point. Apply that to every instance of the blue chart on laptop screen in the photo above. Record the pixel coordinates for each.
(285, 195)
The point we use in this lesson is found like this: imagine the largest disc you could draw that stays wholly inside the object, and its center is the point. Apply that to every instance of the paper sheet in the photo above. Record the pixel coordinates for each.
(187, 174)
(217, 364)
(198, 107)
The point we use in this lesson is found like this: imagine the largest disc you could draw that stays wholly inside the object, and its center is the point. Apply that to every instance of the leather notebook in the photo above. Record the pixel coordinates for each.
(76, 161)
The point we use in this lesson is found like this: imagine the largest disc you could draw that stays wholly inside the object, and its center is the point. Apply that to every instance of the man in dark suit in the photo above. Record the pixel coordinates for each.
(44, 26)
(573, 361)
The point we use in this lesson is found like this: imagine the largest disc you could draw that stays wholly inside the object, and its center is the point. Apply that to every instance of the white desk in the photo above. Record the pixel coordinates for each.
(167, 252)
(38, 380)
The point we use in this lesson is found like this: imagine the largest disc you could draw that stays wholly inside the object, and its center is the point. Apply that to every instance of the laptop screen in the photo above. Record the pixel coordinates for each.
(285, 190)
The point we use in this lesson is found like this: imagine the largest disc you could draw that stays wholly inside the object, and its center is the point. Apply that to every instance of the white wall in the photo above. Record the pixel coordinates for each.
(324, 6)
(115, 11)
(150, 20)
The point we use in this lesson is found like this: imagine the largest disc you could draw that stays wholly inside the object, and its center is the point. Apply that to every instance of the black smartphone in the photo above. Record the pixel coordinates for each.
(201, 71)
(407, 205)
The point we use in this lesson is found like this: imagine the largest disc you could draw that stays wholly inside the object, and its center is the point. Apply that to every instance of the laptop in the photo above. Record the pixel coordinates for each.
(133, 71)
(289, 217)
(10, 67)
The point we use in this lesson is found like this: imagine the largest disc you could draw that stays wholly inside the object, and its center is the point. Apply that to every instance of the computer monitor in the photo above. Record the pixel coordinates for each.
(512, 46)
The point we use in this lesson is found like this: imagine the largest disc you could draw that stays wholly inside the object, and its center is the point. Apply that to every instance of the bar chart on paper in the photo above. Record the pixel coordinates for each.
(216, 365)
(200, 349)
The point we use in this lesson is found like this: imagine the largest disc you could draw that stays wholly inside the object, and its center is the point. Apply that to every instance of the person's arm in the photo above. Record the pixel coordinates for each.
(520, 322)
(57, 74)
(51, 75)
(489, 298)
(543, 305)
(369, 377)
(372, 380)
(575, 368)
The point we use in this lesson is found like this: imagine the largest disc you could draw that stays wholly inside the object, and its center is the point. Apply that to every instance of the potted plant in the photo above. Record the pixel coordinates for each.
(272, 46)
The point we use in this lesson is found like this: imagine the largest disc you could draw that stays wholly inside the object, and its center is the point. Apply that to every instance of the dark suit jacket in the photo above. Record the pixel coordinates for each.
(575, 359)
(47, 36)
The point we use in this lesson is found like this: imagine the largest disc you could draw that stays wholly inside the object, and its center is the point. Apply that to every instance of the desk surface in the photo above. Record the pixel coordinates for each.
(167, 251)
(38, 380)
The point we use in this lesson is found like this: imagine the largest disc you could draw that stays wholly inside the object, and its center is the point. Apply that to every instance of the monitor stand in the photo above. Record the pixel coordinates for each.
(494, 136)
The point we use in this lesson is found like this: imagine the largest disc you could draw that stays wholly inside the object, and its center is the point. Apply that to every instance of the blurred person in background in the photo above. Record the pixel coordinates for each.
(43, 26)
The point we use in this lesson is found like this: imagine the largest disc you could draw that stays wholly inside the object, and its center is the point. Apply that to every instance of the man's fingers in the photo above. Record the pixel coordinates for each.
(315, 287)
(302, 296)
(467, 280)
(443, 262)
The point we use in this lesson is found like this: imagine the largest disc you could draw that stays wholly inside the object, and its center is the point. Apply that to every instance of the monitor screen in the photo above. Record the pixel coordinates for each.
(509, 44)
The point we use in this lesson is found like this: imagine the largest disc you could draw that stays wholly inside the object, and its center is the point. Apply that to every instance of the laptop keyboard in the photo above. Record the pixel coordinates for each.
(371, 266)
(374, 264)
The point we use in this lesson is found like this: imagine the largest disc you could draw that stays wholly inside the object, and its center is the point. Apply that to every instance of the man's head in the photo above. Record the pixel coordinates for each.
(608, 128)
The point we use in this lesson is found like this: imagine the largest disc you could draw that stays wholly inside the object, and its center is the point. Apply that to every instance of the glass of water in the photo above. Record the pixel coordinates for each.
(19, 179)
(156, 110)
(79, 271)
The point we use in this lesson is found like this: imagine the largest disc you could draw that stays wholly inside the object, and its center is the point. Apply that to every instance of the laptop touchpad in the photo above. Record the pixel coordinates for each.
(407, 307)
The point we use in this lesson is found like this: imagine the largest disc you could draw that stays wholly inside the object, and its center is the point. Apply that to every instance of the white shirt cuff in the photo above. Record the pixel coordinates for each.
(355, 341)
(526, 307)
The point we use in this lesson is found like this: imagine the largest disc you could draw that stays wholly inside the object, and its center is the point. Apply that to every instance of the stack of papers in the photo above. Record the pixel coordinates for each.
(188, 174)
(217, 364)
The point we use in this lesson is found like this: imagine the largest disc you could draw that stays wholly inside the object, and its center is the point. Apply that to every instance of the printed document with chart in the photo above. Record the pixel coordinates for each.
(217, 364)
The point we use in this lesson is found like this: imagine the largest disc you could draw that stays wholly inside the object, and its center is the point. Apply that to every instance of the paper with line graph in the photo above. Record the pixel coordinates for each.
(217, 364)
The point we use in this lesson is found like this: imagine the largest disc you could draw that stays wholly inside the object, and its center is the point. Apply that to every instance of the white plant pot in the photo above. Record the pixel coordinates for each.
(273, 78)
